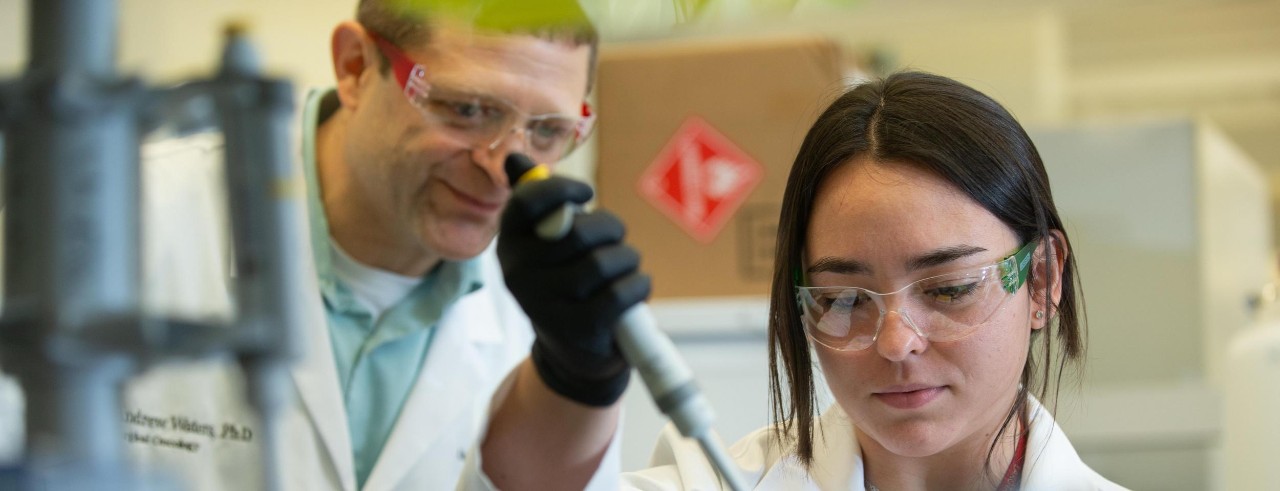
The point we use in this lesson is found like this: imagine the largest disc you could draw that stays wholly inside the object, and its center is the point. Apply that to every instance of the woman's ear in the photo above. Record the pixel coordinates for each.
(354, 61)
(1046, 279)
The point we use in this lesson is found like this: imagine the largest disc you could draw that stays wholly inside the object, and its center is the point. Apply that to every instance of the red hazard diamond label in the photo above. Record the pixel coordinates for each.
(699, 179)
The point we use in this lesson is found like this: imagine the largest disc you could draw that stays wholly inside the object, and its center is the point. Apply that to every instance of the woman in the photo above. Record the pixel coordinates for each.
(921, 259)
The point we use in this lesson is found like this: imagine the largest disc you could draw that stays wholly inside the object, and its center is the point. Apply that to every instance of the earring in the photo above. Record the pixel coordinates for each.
(1039, 314)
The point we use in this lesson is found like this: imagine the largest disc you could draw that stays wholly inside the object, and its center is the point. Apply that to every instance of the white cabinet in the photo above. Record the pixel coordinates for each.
(1171, 225)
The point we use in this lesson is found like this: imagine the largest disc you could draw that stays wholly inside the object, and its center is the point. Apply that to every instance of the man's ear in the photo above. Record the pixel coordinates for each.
(1046, 277)
(355, 61)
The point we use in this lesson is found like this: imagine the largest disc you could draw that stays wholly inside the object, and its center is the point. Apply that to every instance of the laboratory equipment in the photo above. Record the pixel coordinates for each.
(73, 327)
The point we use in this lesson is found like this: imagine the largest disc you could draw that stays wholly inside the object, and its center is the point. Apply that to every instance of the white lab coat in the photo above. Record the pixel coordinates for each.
(192, 420)
(679, 464)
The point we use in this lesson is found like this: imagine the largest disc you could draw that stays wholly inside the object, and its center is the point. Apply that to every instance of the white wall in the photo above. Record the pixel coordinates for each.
(13, 36)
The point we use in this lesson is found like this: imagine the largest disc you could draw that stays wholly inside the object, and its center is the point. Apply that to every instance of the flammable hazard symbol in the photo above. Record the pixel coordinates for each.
(699, 179)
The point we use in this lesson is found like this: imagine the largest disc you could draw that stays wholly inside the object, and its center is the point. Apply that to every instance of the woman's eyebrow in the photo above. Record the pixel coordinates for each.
(942, 256)
(838, 265)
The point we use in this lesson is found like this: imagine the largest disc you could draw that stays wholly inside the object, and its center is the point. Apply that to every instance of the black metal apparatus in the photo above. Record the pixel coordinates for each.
(73, 328)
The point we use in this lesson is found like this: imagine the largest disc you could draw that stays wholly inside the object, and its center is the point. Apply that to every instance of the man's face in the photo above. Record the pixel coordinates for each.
(425, 192)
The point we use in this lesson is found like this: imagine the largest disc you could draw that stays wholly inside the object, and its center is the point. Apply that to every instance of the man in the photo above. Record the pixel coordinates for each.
(410, 327)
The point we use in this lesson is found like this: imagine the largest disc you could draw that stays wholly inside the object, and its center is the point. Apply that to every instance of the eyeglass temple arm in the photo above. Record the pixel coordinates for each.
(401, 65)
(1013, 270)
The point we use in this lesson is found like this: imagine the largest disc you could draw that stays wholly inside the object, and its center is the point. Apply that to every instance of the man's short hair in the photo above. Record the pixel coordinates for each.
(406, 27)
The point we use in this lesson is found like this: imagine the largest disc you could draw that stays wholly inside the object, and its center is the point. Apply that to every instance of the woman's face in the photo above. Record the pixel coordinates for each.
(889, 225)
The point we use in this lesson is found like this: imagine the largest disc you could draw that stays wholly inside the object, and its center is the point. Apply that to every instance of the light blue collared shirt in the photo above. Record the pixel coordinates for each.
(378, 359)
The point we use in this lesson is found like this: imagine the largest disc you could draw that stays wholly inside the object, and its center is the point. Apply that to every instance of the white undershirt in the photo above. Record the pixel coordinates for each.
(375, 289)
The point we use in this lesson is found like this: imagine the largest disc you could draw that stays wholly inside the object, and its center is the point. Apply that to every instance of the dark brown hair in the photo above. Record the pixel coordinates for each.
(969, 140)
(408, 27)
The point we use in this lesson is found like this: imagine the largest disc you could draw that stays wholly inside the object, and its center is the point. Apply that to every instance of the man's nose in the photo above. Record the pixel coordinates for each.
(491, 158)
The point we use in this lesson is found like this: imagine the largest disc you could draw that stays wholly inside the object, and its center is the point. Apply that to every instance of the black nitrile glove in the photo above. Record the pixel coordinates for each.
(574, 289)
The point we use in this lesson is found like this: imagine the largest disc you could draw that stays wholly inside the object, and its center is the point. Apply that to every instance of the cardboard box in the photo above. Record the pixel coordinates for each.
(696, 140)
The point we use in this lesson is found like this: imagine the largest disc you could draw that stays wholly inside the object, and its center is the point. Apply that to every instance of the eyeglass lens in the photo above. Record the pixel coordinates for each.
(942, 308)
(487, 121)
